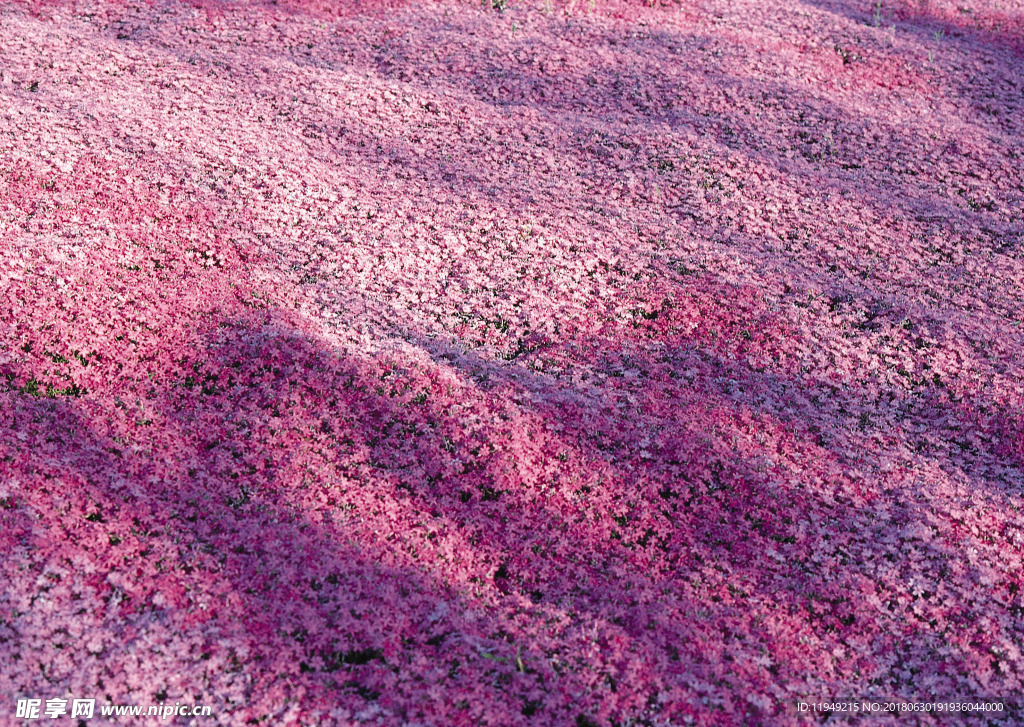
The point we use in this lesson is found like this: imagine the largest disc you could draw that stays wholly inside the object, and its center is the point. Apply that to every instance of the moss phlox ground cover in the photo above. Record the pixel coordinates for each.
(588, 364)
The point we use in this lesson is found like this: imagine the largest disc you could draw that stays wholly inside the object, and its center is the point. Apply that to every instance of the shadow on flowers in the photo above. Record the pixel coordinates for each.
(271, 523)
(785, 504)
(972, 28)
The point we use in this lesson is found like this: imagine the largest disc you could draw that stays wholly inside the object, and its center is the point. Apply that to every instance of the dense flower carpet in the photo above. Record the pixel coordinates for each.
(540, 363)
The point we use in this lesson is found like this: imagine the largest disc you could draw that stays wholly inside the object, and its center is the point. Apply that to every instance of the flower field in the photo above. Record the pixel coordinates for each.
(590, 364)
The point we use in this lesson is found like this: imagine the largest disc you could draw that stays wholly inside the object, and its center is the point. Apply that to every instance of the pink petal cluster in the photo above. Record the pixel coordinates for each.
(612, 363)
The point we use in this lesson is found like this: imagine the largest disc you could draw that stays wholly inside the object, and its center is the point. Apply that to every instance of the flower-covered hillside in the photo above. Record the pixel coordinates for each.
(572, 364)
